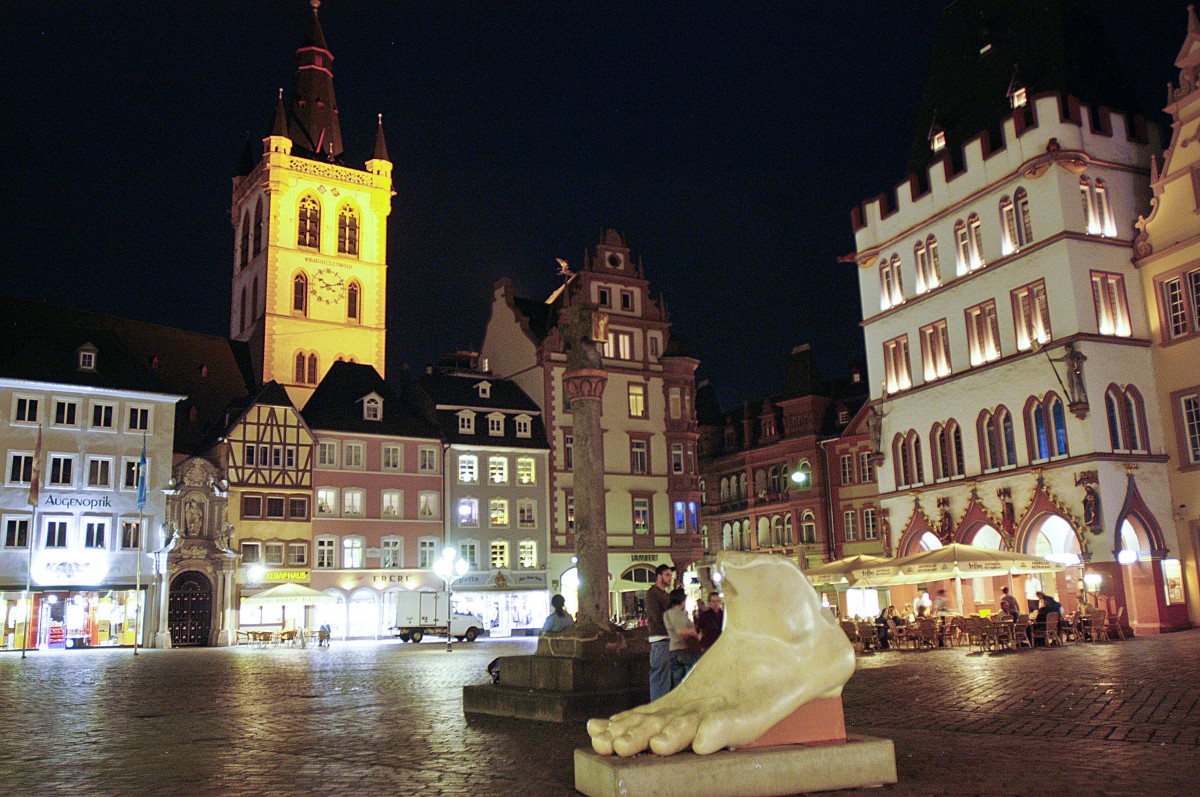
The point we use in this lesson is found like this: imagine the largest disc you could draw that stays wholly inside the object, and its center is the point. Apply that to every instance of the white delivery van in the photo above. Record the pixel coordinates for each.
(421, 613)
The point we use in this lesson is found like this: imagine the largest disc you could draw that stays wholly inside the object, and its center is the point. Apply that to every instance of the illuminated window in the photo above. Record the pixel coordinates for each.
(498, 470)
(468, 469)
(353, 503)
(498, 512)
(1097, 211)
(498, 554)
(526, 470)
(637, 400)
(870, 526)
(1031, 315)
(391, 553)
(895, 365)
(427, 504)
(392, 505)
(352, 552)
(308, 232)
(326, 553)
(468, 512)
(527, 552)
(891, 291)
(975, 236)
(131, 534)
(641, 515)
(347, 231)
(983, 333)
(850, 525)
(426, 552)
(1112, 311)
(935, 350)
(392, 457)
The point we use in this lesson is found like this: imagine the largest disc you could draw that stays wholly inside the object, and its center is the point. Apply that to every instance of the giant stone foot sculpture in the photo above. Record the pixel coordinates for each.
(779, 650)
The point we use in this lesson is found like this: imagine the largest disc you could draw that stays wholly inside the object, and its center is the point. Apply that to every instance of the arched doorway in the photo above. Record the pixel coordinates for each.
(189, 610)
(928, 542)
(987, 537)
(364, 615)
(332, 614)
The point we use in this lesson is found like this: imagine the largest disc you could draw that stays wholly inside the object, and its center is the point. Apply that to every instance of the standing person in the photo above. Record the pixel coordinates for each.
(657, 603)
(1008, 604)
(558, 620)
(710, 621)
(682, 635)
(941, 606)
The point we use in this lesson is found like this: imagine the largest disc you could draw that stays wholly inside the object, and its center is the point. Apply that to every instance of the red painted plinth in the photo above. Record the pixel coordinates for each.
(818, 722)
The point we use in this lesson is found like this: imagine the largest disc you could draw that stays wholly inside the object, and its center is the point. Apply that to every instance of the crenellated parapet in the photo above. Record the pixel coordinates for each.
(1052, 129)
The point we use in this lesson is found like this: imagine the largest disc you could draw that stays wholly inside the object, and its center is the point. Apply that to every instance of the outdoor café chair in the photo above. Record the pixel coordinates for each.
(1115, 626)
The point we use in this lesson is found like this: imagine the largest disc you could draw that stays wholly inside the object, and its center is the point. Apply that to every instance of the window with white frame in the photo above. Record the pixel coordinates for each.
(427, 459)
(129, 472)
(391, 504)
(20, 467)
(372, 409)
(1112, 310)
(568, 451)
(252, 506)
(25, 409)
(907, 459)
(62, 470)
(353, 455)
(498, 512)
(103, 415)
(468, 469)
(1097, 210)
(391, 553)
(466, 422)
(327, 501)
(273, 554)
(935, 350)
(641, 515)
(925, 254)
(99, 472)
(275, 506)
(484, 389)
(808, 528)
(527, 554)
(975, 238)
(619, 345)
(469, 551)
(426, 552)
(251, 553)
(468, 512)
(353, 502)
(1016, 224)
(297, 554)
(95, 533)
(983, 333)
(139, 419)
(326, 553)
(16, 532)
(498, 470)
(392, 457)
(131, 534)
(352, 552)
(56, 533)
(847, 465)
(850, 525)
(897, 376)
(569, 503)
(496, 424)
(526, 513)
(675, 403)
(891, 291)
(524, 426)
(638, 456)
(298, 507)
(498, 554)
(866, 470)
(327, 454)
(427, 504)
(526, 470)
(66, 412)
(870, 529)
(676, 458)
(1031, 314)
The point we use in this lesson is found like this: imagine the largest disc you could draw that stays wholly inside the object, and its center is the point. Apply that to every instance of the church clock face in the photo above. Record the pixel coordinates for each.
(328, 286)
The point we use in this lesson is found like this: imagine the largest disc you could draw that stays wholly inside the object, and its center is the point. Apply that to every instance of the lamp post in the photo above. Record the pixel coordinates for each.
(450, 568)
(1091, 585)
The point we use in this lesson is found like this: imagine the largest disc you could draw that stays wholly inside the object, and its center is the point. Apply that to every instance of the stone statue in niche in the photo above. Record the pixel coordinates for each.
(1091, 509)
(875, 428)
(778, 651)
(945, 525)
(193, 516)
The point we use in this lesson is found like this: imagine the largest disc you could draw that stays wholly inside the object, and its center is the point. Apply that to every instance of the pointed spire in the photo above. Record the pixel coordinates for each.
(313, 124)
(279, 125)
(1193, 23)
(379, 152)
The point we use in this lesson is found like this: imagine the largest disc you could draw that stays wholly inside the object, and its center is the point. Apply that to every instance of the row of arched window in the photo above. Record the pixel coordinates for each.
(773, 531)
(1045, 434)
(775, 479)
(252, 231)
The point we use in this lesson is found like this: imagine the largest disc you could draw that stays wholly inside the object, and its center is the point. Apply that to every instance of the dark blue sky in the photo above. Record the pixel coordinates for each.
(727, 141)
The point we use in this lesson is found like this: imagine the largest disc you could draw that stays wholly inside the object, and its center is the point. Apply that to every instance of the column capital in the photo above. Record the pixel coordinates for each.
(585, 384)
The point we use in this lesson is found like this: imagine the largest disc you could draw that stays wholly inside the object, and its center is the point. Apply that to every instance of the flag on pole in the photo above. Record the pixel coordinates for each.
(141, 499)
(35, 476)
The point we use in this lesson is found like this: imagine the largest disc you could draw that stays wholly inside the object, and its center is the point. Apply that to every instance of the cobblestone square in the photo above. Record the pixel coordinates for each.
(386, 718)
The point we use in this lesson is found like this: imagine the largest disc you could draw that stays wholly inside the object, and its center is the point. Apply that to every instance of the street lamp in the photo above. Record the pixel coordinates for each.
(450, 568)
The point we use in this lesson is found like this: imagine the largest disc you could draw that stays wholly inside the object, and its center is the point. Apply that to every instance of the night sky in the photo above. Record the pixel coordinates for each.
(726, 141)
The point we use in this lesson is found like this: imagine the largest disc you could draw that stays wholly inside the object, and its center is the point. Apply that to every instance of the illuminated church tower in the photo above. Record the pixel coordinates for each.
(310, 238)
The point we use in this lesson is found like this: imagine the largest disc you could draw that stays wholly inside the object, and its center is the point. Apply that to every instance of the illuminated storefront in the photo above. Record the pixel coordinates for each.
(72, 618)
(508, 602)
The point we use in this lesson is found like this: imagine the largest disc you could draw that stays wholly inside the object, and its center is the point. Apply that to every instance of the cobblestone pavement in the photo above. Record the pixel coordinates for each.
(386, 718)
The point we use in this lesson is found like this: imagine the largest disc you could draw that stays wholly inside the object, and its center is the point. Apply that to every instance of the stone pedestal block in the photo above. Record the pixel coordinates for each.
(761, 772)
(560, 689)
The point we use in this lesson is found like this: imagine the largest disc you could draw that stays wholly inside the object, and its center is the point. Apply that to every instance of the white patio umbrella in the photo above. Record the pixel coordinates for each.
(955, 561)
(835, 573)
(288, 594)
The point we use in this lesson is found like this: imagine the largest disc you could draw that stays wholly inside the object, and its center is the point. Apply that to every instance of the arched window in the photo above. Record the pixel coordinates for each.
(308, 229)
(312, 369)
(353, 309)
(788, 537)
(1015, 222)
(260, 227)
(935, 261)
(1108, 227)
(1008, 437)
(891, 290)
(301, 367)
(900, 461)
(1024, 221)
(254, 298)
(975, 234)
(1046, 425)
(244, 246)
(245, 317)
(347, 231)
(300, 294)
(726, 537)
(939, 451)
(989, 441)
(764, 534)
(920, 256)
(918, 469)
(724, 489)
(742, 484)
(962, 247)
(1059, 419)
(808, 528)
(760, 481)
(1126, 419)
(805, 468)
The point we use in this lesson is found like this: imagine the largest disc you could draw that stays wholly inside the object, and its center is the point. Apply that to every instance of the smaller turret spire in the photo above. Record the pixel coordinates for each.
(379, 152)
(1193, 23)
(279, 126)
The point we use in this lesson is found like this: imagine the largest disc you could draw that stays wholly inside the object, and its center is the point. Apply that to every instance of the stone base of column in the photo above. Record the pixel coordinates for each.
(761, 772)
(162, 640)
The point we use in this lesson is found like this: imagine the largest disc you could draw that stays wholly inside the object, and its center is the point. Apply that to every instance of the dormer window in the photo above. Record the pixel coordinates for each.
(937, 140)
(372, 408)
(485, 389)
(466, 422)
(1018, 98)
(87, 357)
(496, 424)
(524, 426)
